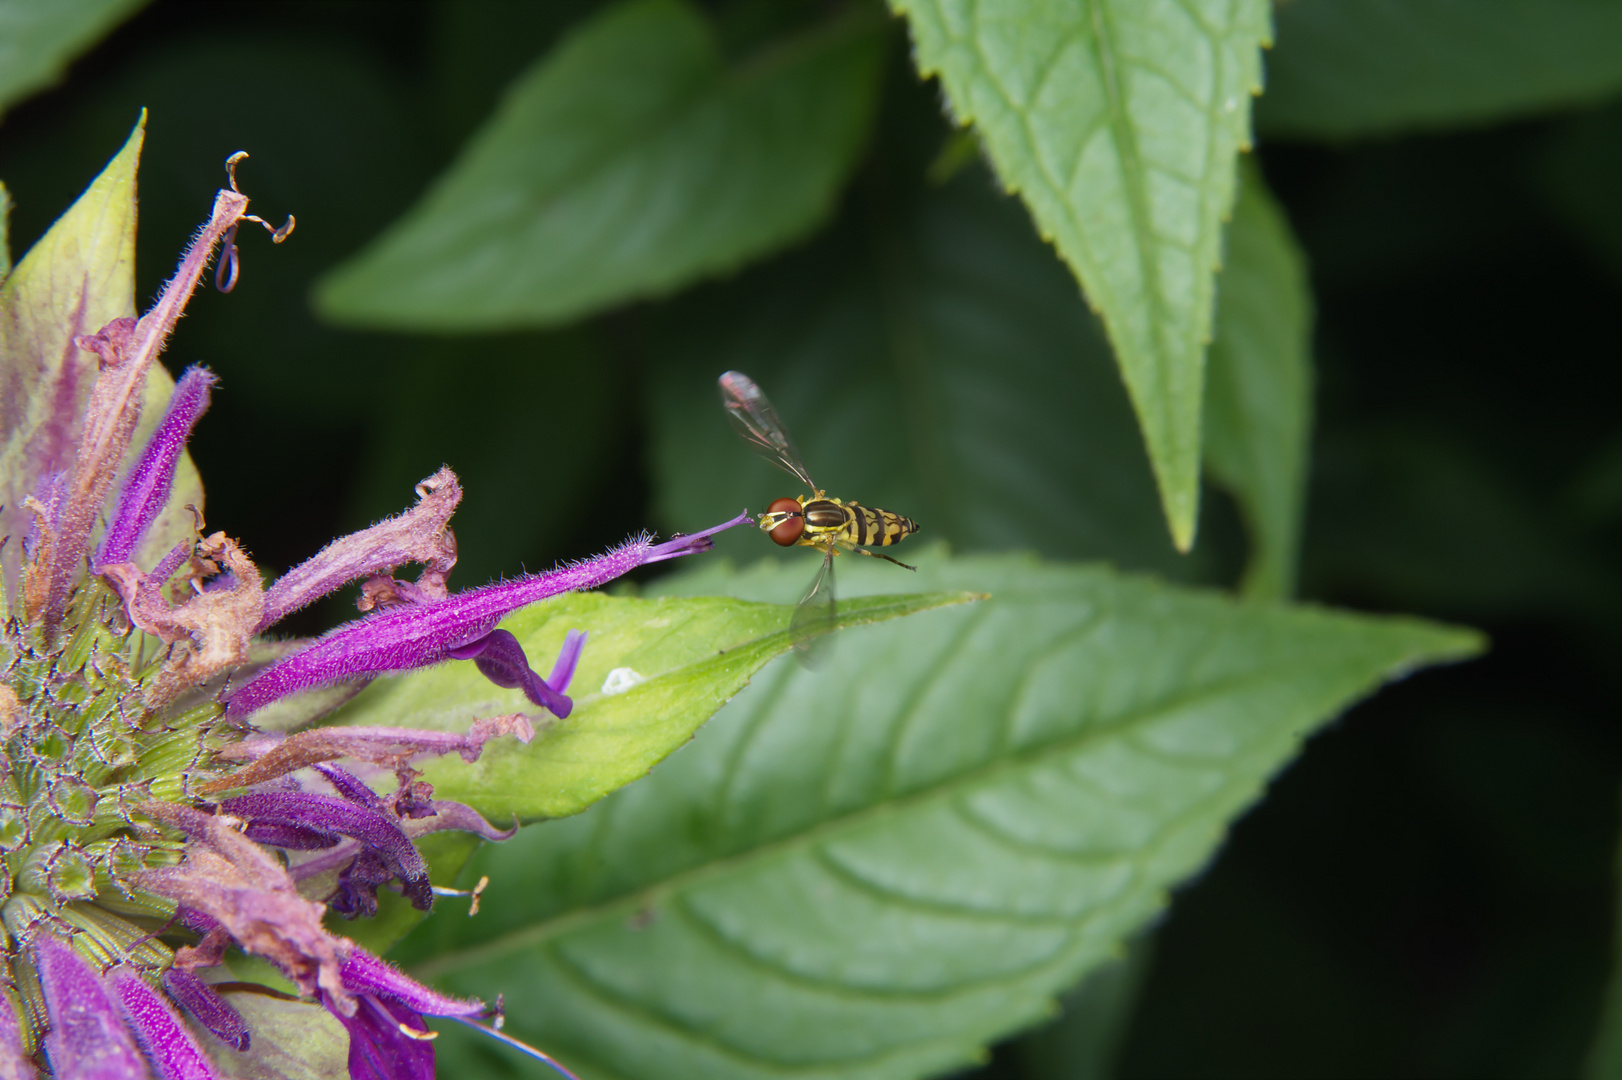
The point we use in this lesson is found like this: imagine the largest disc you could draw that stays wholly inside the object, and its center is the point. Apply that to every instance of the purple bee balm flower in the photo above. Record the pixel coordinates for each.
(410, 636)
(273, 816)
(146, 488)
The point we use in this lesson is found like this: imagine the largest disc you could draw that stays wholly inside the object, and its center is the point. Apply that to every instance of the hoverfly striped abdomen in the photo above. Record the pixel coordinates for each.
(872, 527)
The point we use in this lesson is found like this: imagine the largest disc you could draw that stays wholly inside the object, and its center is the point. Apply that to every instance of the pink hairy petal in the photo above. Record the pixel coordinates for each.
(374, 745)
(418, 535)
(215, 626)
(166, 1040)
(451, 816)
(245, 889)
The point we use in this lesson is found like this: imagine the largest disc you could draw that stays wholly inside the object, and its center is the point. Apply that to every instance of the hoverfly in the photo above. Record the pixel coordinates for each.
(816, 521)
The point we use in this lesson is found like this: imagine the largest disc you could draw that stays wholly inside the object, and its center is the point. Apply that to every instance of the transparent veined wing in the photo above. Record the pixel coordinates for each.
(813, 616)
(757, 423)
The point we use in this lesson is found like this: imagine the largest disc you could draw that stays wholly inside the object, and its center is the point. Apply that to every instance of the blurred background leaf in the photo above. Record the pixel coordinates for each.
(38, 40)
(629, 162)
(1118, 124)
(1258, 392)
(1355, 68)
(873, 870)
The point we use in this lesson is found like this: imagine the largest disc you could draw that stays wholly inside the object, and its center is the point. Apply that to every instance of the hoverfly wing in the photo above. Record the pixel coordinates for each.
(757, 424)
(813, 616)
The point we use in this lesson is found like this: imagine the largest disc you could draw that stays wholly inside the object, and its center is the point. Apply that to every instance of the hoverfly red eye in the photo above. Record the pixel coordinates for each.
(790, 529)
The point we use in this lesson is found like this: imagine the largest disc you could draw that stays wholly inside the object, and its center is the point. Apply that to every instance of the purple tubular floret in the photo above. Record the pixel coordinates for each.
(501, 659)
(364, 973)
(207, 1007)
(165, 1039)
(87, 1037)
(146, 488)
(332, 814)
(417, 635)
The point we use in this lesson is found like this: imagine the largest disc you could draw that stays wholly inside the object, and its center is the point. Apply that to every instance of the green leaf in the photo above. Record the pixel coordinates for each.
(931, 358)
(5, 233)
(1258, 401)
(1085, 1041)
(1118, 123)
(77, 278)
(875, 870)
(1351, 68)
(37, 40)
(628, 163)
(690, 655)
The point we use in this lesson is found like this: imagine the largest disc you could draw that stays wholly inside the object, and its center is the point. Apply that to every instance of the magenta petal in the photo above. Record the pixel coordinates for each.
(87, 1039)
(207, 1007)
(332, 814)
(692, 543)
(364, 973)
(378, 1049)
(165, 1039)
(146, 488)
(568, 657)
(500, 658)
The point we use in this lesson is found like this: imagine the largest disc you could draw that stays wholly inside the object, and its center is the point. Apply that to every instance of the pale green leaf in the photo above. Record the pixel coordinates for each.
(933, 359)
(680, 660)
(875, 870)
(39, 37)
(1349, 68)
(76, 279)
(292, 1040)
(1258, 397)
(1118, 122)
(629, 162)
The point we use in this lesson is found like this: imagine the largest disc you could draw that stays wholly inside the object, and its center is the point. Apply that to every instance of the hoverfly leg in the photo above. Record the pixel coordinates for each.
(881, 555)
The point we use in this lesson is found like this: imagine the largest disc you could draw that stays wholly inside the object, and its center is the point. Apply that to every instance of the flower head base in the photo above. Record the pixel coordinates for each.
(147, 831)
